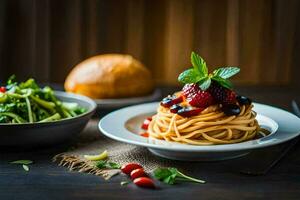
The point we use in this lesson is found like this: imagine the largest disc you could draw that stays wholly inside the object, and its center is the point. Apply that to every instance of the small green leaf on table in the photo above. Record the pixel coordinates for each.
(172, 175)
(22, 162)
(104, 164)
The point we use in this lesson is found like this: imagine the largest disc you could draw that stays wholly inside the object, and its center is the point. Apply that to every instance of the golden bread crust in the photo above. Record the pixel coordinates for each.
(110, 76)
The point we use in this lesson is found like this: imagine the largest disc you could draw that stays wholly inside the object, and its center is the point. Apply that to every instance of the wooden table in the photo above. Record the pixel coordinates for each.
(46, 180)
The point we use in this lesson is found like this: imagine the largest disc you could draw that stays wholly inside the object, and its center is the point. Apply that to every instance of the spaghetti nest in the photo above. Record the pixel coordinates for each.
(210, 127)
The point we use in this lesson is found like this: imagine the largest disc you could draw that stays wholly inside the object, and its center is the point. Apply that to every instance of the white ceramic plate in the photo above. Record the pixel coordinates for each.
(121, 102)
(124, 125)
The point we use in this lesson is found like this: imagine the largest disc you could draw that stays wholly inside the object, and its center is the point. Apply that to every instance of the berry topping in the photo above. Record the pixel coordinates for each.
(146, 123)
(243, 100)
(190, 89)
(197, 97)
(171, 100)
(221, 94)
(2, 89)
(189, 111)
(175, 108)
(231, 109)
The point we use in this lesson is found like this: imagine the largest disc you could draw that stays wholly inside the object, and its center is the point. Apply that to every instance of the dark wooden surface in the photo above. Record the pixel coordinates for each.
(46, 180)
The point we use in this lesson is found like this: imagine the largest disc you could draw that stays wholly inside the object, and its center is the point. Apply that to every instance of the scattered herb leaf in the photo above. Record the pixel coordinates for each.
(104, 164)
(172, 175)
(22, 162)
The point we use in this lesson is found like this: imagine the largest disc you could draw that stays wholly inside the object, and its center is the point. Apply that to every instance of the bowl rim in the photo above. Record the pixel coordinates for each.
(59, 94)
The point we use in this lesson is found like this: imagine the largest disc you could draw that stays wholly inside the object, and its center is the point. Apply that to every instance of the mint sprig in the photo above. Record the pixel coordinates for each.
(171, 176)
(199, 74)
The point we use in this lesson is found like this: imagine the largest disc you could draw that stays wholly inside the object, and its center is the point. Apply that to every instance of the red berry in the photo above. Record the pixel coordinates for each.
(2, 89)
(197, 97)
(201, 99)
(144, 134)
(138, 173)
(190, 89)
(221, 94)
(146, 123)
(128, 168)
(144, 182)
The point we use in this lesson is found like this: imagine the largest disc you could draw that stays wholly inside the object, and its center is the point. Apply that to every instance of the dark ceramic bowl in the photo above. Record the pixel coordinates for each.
(48, 133)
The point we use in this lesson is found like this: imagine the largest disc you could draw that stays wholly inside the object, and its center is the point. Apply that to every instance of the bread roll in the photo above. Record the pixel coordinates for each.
(110, 76)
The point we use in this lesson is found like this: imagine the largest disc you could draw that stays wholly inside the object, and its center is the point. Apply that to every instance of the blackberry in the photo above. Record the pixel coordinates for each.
(221, 94)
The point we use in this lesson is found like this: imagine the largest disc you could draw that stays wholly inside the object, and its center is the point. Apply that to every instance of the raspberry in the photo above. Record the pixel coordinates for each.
(197, 97)
(189, 89)
(221, 94)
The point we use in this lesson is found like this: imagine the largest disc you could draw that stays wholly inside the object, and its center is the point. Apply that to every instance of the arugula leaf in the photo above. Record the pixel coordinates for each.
(226, 72)
(25, 167)
(104, 164)
(199, 65)
(172, 175)
(189, 76)
(22, 162)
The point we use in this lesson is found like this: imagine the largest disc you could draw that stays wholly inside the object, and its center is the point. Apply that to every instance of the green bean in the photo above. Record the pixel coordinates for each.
(29, 110)
(52, 118)
(14, 116)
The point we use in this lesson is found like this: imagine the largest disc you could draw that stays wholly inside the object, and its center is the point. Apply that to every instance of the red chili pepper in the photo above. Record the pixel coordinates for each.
(144, 182)
(128, 168)
(2, 89)
(144, 134)
(146, 123)
(138, 173)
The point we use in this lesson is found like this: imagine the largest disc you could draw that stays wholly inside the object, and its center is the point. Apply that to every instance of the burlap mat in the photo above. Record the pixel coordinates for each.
(92, 142)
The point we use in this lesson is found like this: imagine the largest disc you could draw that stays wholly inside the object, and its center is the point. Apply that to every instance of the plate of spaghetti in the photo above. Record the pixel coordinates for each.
(207, 120)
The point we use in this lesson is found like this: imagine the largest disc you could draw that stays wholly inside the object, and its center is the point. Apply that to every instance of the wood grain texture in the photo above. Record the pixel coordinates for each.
(45, 39)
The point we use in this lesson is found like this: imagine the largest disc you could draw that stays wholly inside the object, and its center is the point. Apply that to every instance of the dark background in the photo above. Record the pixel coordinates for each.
(44, 39)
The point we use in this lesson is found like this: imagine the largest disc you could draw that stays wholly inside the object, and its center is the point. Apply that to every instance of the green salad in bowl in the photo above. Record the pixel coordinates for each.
(27, 102)
(34, 116)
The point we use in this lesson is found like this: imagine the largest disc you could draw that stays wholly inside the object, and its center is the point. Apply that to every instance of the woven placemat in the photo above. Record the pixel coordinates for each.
(92, 142)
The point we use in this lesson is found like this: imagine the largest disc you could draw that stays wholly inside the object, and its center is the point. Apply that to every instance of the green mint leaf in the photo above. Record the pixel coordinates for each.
(25, 167)
(205, 83)
(170, 179)
(104, 164)
(22, 162)
(101, 164)
(112, 165)
(199, 65)
(226, 72)
(162, 173)
(189, 76)
(172, 175)
(223, 82)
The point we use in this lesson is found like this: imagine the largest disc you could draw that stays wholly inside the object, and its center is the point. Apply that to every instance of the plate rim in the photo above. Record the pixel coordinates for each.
(118, 102)
(193, 148)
